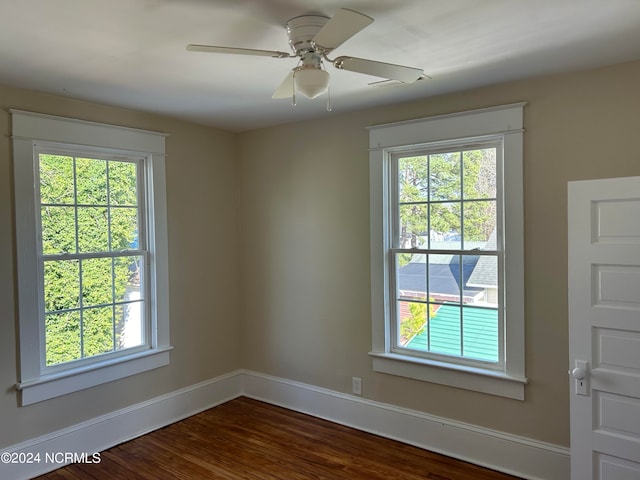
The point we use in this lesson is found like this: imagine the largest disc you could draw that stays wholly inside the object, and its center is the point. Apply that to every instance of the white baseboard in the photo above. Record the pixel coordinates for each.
(108, 430)
(512, 454)
(519, 456)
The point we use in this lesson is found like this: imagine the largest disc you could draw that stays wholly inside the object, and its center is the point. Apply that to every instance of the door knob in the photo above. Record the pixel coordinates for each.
(578, 373)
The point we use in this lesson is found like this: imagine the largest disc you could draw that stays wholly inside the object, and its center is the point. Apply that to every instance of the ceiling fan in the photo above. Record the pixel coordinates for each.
(312, 38)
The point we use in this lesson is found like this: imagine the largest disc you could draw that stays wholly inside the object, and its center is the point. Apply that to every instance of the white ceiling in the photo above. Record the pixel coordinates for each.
(132, 53)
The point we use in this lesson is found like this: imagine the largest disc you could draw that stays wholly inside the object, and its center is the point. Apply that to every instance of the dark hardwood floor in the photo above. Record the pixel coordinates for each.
(247, 439)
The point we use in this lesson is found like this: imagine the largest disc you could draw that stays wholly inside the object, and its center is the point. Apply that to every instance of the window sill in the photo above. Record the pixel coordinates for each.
(460, 376)
(55, 385)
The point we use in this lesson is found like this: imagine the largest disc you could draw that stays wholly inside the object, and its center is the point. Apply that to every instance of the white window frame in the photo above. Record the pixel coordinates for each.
(503, 123)
(32, 131)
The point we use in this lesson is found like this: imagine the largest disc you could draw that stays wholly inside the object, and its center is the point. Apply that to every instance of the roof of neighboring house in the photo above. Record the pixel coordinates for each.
(477, 326)
(478, 271)
(444, 278)
(485, 275)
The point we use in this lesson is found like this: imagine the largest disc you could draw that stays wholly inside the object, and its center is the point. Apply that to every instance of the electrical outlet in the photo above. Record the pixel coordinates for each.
(356, 385)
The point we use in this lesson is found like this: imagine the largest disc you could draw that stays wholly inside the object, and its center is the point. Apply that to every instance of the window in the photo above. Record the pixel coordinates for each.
(447, 250)
(92, 260)
(92, 255)
(444, 254)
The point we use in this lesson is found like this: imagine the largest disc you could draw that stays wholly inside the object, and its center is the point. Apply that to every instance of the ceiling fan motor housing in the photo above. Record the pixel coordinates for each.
(301, 31)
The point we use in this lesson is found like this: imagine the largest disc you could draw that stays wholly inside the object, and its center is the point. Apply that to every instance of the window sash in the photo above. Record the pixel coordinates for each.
(115, 352)
(394, 313)
(141, 251)
(393, 191)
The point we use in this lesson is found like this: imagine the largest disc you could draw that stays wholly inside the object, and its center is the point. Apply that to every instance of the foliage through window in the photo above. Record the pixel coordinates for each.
(92, 255)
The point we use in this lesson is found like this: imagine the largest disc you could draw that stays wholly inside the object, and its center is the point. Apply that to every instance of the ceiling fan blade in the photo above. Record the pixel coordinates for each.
(237, 51)
(285, 90)
(344, 25)
(379, 69)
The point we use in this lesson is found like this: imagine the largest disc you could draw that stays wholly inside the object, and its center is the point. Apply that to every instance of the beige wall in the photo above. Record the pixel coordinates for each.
(298, 306)
(305, 236)
(203, 229)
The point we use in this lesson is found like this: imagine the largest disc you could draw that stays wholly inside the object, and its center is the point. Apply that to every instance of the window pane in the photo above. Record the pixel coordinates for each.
(413, 225)
(129, 315)
(413, 179)
(123, 186)
(446, 331)
(479, 224)
(56, 179)
(412, 320)
(480, 339)
(124, 228)
(446, 225)
(96, 282)
(445, 174)
(126, 273)
(482, 282)
(61, 285)
(58, 230)
(93, 235)
(91, 181)
(411, 274)
(479, 173)
(62, 337)
(444, 278)
(129, 325)
(97, 331)
(127, 278)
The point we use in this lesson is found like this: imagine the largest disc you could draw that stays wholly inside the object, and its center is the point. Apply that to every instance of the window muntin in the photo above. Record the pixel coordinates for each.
(93, 254)
(445, 252)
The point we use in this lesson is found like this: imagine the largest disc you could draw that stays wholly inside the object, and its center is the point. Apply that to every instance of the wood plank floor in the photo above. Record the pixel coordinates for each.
(247, 439)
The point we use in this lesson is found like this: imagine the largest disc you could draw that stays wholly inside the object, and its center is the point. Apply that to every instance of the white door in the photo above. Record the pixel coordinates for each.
(604, 328)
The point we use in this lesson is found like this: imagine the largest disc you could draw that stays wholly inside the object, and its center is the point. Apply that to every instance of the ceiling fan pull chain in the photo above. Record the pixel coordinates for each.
(328, 99)
(293, 89)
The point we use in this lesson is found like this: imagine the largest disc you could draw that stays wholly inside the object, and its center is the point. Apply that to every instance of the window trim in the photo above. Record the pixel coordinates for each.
(29, 130)
(505, 122)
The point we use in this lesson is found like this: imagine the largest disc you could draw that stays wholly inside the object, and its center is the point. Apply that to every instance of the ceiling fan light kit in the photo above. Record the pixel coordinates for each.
(312, 38)
(310, 81)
